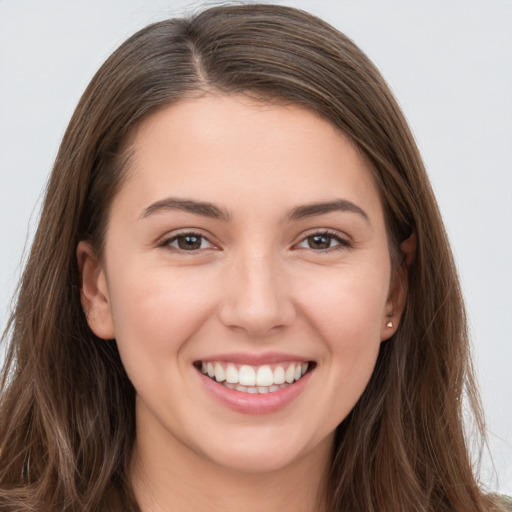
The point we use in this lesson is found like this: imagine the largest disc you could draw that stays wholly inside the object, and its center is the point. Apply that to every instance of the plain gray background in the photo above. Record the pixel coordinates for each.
(449, 62)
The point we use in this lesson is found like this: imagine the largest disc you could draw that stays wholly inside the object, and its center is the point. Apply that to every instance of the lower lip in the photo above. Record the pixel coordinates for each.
(254, 403)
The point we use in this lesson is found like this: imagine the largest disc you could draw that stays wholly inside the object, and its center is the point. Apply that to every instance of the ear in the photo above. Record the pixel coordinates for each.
(397, 295)
(94, 292)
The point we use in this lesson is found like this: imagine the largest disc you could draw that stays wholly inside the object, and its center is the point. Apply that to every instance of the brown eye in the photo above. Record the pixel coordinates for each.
(324, 242)
(319, 241)
(188, 242)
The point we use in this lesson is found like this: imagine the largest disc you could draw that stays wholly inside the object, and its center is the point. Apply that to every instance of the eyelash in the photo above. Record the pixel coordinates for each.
(175, 238)
(342, 243)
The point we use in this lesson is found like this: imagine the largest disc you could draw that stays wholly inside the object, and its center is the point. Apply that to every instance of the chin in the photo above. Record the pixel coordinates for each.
(259, 452)
(254, 461)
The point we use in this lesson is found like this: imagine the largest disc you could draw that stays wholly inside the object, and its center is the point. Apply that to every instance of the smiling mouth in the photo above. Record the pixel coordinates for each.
(255, 379)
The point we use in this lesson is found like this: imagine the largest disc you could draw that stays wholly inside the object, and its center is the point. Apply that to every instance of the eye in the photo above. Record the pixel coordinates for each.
(188, 242)
(324, 241)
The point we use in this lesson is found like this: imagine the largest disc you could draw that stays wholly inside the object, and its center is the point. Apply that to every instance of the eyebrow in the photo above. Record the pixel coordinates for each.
(212, 211)
(187, 205)
(314, 209)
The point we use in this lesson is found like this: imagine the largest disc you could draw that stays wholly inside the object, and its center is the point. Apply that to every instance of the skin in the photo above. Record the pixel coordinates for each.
(258, 283)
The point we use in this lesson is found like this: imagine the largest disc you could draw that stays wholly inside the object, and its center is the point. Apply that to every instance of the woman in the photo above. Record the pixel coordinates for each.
(240, 293)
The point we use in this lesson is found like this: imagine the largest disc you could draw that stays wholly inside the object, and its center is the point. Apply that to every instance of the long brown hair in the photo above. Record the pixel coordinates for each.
(67, 406)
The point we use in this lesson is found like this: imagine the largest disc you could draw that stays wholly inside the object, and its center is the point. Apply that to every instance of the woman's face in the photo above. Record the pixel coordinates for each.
(248, 242)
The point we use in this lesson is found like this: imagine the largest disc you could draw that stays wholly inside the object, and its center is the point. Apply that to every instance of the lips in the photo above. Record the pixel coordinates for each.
(255, 384)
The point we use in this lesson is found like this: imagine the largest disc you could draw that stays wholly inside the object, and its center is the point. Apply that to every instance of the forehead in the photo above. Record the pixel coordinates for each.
(244, 152)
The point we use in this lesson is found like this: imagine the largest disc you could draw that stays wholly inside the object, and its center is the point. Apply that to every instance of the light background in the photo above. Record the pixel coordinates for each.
(449, 62)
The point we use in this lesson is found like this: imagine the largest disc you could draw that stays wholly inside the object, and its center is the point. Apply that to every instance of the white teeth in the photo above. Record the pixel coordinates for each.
(220, 374)
(251, 379)
(279, 375)
(254, 389)
(290, 374)
(232, 374)
(265, 376)
(247, 376)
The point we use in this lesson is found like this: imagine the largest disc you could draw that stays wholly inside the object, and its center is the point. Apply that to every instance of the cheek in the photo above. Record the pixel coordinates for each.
(346, 313)
(350, 324)
(347, 304)
(155, 311)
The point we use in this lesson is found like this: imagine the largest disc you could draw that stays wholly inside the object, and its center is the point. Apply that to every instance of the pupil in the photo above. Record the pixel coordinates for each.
(320, 242)
(189, 242)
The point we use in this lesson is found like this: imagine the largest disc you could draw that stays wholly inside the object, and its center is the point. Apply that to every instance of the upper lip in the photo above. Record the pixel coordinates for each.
(255, 359)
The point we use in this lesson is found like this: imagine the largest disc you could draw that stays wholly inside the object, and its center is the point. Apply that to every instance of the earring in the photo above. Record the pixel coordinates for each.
(389, 325)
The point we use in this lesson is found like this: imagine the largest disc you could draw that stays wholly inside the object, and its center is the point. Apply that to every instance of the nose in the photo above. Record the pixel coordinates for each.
(256, 298)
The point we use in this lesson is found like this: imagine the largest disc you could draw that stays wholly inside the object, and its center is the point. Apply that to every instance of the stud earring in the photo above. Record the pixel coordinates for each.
(389, 325)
